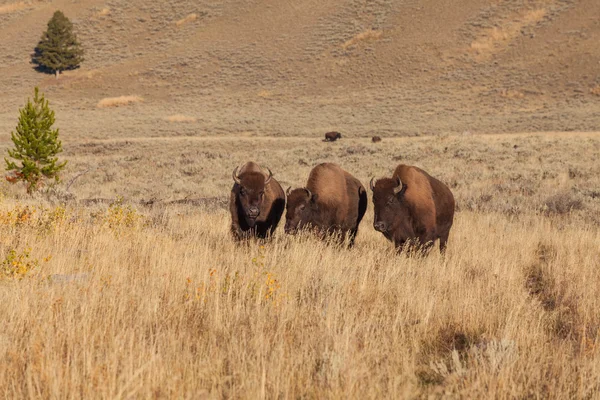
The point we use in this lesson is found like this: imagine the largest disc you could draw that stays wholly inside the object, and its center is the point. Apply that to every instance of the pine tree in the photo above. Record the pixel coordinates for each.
(36, 146)
(58, 50)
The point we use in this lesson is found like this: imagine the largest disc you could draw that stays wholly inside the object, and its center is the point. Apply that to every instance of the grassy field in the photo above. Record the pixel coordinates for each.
(123, 281)
(165, 305)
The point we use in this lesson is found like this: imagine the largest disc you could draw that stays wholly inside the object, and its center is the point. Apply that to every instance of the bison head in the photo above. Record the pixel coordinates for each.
(392, 213)
(251, 192)
(300, 204)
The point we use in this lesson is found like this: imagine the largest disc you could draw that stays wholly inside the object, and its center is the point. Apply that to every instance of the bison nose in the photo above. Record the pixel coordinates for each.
(253, 212)
(380, 226)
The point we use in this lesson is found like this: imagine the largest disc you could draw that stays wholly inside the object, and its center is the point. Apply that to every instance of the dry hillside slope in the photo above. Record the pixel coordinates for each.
(298, 68)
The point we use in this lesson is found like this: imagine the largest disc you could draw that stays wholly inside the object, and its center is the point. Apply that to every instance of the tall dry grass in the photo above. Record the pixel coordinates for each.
(170, 307)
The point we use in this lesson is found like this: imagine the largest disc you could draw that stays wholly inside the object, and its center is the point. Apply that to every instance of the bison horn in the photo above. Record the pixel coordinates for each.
(398, 188)
(372, 183)
(235, 176)
(288, 191)
(269, 177)
(310, 195)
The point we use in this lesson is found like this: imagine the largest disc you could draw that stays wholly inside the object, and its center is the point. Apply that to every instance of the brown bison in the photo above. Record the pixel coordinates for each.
(332, 136)
(333, 202)
(413, 208)
(376, 139)
(256, 203)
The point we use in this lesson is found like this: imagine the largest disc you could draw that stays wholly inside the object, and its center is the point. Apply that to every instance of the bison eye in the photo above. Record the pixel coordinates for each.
(302, 207)
(242, 191)
(391, 199)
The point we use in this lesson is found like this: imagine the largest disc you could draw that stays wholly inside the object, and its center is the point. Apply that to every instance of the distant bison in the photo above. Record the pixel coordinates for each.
(376, 139)
(256, 203)
(332, 136)
(413, 208)
(333, 202)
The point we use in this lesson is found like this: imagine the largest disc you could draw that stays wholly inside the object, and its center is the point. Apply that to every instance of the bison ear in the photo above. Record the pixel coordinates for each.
(401, 188)
(313, 198)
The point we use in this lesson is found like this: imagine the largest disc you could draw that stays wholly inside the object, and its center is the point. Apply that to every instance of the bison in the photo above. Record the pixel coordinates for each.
(376, 139)
(256, 203)
(413, 208)
(332, 136)
(333, 202)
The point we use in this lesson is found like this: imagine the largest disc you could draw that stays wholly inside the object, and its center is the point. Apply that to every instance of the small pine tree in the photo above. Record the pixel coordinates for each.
(58, 50)
(36, 146)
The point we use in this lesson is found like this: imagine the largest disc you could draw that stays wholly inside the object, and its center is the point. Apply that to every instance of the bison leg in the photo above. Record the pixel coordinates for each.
(444, 241)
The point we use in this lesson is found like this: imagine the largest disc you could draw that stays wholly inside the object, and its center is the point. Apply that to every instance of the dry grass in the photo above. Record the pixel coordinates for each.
(12, 7)
(497, 38)
(165, 305)
(190, 18)
(368, 35)
(511, 94)
(119, 101)
(595, 90)
(175, 309)
(104, 12)
(265, 94)
(180, 118)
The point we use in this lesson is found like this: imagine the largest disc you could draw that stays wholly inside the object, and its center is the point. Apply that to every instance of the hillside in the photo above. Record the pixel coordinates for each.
(299, 68)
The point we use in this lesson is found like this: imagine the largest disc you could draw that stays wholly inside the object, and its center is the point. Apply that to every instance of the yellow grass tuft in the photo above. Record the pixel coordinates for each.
(190, 18)
(180, 118)
(265, 94)
(595, 90)
(9, 8)
(534, 16)
(368, 35)
(511, 94)
(118, 101)
(104, 12)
